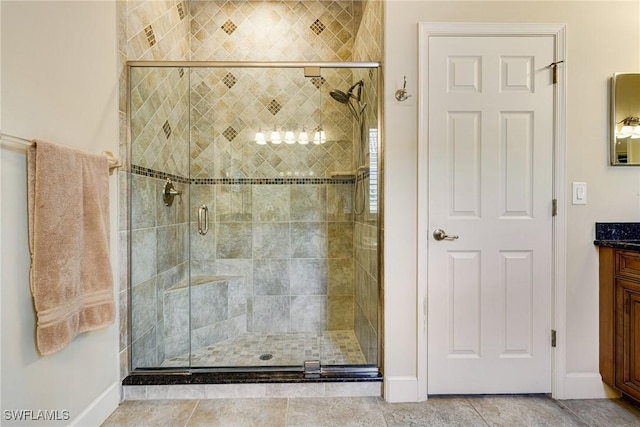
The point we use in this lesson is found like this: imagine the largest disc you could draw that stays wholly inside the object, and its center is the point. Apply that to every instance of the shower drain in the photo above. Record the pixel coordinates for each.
(266, 356)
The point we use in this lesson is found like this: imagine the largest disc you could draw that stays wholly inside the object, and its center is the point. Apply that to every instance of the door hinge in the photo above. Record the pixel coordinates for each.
(554, 68)
(553, 338)
(554, 207)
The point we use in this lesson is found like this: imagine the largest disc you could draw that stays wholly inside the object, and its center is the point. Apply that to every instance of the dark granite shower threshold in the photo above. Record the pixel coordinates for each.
(256, 377)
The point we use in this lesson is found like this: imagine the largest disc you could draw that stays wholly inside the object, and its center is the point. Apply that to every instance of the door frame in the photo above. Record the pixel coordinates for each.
(558, 309)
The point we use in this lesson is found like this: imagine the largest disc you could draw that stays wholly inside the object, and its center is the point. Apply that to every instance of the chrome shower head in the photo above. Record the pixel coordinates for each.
(339, 96)
(344, 98)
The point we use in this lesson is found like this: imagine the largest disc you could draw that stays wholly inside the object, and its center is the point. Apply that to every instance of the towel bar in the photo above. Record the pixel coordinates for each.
(114, 162)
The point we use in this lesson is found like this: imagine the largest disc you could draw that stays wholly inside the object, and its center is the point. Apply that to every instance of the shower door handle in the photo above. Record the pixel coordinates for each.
(203, 217)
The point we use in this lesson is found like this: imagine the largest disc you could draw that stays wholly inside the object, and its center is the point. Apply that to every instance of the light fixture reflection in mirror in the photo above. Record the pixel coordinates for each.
(630, 128)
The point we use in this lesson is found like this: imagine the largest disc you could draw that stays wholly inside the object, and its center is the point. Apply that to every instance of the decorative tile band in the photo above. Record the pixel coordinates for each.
(140, 170)
(181, 13)
(151, 38)
(269, 181)
(229, 26)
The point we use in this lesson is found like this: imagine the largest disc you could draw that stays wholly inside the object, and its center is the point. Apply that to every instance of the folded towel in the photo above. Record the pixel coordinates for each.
(71, 279)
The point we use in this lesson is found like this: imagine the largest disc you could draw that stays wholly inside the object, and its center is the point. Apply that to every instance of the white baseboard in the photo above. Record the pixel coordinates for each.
(401, 389)
(586, 385)
(100, 409)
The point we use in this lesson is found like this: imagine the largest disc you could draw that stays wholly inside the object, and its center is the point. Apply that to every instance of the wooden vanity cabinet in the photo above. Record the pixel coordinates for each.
(620, 320)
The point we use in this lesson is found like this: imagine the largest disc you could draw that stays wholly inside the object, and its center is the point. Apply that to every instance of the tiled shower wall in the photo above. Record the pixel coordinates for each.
(159, 233)
(288, 236)
(229, 105)
(183, 30)
(151, 30)
(273, 30)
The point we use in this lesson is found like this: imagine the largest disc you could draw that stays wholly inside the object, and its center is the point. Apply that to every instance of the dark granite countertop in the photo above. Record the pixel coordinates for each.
(618, 235)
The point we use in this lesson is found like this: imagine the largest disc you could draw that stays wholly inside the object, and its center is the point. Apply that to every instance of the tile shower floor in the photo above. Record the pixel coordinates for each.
(283, 349)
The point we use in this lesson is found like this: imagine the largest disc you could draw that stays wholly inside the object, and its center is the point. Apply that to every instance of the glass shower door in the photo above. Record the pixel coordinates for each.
(266, 256)
(159, 226)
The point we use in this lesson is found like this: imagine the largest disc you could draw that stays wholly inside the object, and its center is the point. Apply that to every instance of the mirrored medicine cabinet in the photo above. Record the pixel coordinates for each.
(625, 119)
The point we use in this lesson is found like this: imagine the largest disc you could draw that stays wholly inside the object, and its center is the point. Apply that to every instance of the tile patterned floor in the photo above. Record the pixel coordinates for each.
(286, 349)
(372, 411)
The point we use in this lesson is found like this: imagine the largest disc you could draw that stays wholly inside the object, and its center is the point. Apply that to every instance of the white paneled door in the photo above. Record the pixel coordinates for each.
(490, 166)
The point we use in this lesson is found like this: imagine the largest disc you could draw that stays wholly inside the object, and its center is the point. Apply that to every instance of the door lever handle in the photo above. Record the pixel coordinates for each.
(203, 220)
(440, 234)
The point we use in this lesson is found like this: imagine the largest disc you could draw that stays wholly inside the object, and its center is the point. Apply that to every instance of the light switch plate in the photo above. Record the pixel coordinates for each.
(579, 193)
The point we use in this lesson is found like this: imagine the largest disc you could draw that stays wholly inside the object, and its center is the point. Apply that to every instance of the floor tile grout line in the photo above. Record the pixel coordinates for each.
(192, 412)
(561, 403)
(381, 409)
(470, 402)
(286, 413)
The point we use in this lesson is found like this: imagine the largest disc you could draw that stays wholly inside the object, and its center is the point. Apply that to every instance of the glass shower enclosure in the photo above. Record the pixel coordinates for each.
(254, 227)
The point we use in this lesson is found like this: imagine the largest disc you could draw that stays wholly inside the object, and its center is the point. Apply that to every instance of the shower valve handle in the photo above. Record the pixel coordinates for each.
(169, 192)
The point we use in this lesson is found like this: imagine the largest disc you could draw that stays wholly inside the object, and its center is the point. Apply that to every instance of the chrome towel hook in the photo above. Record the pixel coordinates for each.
(401, 94)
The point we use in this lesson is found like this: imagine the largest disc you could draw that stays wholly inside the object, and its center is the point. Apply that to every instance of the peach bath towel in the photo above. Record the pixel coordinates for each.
(71, 279)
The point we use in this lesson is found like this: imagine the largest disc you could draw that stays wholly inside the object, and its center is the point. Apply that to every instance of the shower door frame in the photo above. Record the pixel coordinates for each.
(365, 371)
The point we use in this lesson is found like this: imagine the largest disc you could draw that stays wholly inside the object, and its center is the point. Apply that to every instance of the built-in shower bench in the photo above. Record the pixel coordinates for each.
(212, 309)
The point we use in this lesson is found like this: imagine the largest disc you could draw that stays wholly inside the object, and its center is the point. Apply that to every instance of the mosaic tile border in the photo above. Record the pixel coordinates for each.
(140, 170)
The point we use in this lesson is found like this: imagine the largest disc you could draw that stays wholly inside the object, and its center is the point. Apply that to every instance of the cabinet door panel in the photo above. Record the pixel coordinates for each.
(627, 337)
(634, 339)
(628, 264)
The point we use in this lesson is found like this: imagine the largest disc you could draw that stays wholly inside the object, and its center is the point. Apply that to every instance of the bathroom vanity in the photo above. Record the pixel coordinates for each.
(619, 253)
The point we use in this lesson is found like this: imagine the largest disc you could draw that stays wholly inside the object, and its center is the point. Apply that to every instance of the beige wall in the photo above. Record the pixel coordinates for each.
(60, 84)
(602, 38)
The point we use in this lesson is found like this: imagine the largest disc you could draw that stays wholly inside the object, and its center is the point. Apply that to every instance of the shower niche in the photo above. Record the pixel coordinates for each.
(268, 257)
